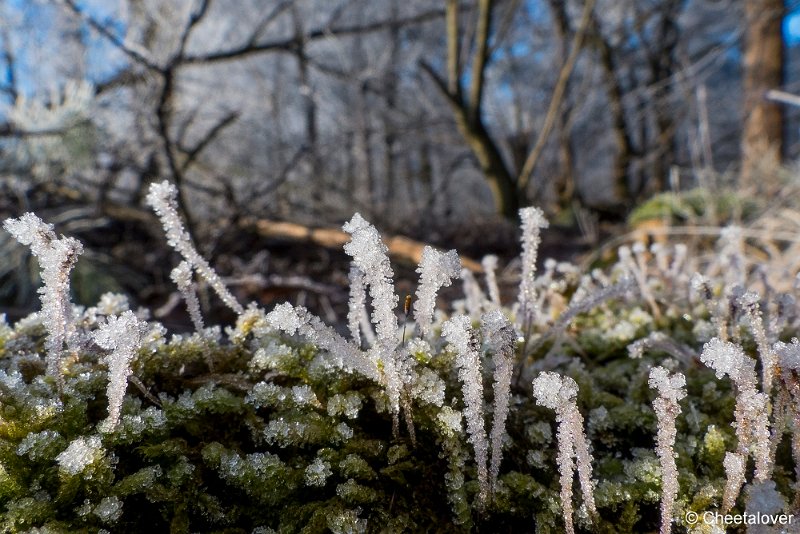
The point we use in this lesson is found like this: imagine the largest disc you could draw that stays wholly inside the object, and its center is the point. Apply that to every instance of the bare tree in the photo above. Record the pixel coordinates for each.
(762, 135)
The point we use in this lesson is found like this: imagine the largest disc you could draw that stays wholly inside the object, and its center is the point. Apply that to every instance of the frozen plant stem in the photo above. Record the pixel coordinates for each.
(671, 389)
(502, 338)
(436, 270)
(533, 221)
(182, 276)
(369, 255)
(752, 421)
(559, 394)
(163, 198)
(489, 263)
(121, 335)
(749, 302)
(57, 257)
(459, 333)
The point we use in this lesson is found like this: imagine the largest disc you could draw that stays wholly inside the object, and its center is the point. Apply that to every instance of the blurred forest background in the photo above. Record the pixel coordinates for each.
(436, 119)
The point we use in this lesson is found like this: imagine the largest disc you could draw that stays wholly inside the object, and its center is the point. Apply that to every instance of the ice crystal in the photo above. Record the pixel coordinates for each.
(292, 319)
(109, 510)
(450, 420)
(80, 454)
(559, 394)
(163, 198)
(734, 464)
(474, 297)
(533, 221)
(750, 304)
(671, 389)
(369, 255)
(436, 270)
(121, 335)
(357, 311)
(57, 256)
(317, 472)
(182, 276)
(347, 404)
(750, 412)
(459, 333)
(428, 387)
(489, 263)
(502, 338)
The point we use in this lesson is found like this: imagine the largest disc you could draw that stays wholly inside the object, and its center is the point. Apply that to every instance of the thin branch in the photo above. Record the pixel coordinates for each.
(191, 154)
(783, 97)
(100, 28)
(453, 60)
(558, 96)
(480, 58)
(288, 44)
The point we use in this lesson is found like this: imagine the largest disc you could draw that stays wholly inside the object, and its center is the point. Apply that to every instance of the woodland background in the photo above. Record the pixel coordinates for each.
(436, 119)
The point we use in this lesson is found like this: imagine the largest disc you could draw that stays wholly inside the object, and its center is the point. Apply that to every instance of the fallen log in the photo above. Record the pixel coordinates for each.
(401, 248)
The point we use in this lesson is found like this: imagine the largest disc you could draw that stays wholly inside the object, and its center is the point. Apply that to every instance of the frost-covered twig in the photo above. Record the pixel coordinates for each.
(163, 199)
(459, 333)
(533, 221)
(436, 270)
(57, 257)
(576, 308)
(659, 341)
(489, 263)
(749, 302)
(122, 335)
(671, 389)
(559, 394)
(182, 276)
(292, 320)
(369, 254)
(734, 464)
(357, 309)
(499, 333)
(473, 295)
(752, 421)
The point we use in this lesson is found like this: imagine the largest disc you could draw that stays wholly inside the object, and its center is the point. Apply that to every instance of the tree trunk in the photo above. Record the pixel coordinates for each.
(763, 68)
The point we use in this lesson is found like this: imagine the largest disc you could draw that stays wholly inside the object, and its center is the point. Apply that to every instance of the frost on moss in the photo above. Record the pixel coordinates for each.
(292, 431)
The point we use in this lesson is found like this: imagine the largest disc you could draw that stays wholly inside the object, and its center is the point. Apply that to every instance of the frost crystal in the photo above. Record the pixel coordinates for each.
(475, 299)
(57, 257)
(559, 393)
(292, 320)
(369, 255)
(734, 465)
(752, 421)
(80, 454)
(533, 221)
(163, 198)
(458, 332)
(450, 420)
(109, 509)
(122, 335)
(357, 311)
(750, 304)
(317, 473)
(489, 263)
(670, 391)
(436, 270)
(502, 338)
(182, 276)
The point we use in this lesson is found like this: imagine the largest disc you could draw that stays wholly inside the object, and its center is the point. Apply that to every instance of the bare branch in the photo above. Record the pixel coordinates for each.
(558, 96)
(288, 44)
(480, 58)
(100, 28)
